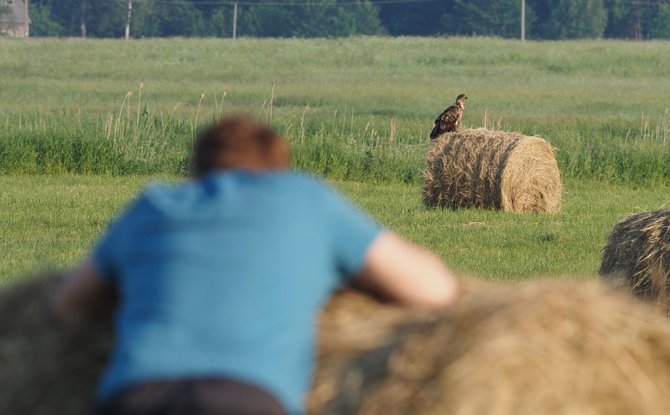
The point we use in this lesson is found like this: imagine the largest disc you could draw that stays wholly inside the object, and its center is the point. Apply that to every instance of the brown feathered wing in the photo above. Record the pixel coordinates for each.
(448, 121)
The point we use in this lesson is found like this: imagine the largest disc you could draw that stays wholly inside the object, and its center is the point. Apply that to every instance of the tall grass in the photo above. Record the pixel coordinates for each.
(358, 109)
(51, 145)
(160, 144)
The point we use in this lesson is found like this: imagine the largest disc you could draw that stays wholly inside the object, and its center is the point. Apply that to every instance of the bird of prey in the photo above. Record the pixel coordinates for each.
(450, 119)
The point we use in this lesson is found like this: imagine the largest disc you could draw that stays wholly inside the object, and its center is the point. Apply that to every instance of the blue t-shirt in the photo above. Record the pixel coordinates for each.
(225, 276)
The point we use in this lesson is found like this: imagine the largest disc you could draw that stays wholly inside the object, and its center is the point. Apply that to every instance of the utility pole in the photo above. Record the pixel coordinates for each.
(523, 20)
(235, 20)
(26, 28)
(82, 21)
(130, 13)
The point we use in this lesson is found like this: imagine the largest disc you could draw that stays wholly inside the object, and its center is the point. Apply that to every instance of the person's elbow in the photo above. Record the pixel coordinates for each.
(443, 292)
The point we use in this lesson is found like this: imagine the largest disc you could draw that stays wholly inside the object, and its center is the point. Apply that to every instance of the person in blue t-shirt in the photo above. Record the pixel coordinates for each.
(219, 280)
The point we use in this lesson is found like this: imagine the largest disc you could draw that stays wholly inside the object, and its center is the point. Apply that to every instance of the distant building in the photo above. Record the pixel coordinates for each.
(17, 22)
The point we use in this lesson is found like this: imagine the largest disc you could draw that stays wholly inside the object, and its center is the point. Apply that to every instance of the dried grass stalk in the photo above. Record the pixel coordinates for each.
(637, 256)
(492, 170)
(544, 347)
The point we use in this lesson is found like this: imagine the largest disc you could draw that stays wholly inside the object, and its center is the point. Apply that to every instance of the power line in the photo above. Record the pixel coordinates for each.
(285, 4)
(279, 3)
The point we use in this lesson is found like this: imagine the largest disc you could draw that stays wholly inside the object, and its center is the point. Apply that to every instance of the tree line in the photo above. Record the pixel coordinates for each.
(544, 19)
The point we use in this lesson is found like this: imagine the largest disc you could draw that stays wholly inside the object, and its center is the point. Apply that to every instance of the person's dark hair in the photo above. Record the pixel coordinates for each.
(239, 142)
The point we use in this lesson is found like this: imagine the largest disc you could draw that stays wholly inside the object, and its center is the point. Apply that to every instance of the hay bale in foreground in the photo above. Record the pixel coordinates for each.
(544, 347)
(492, 170)
(45, 369)
(354, 323)
(637, 256)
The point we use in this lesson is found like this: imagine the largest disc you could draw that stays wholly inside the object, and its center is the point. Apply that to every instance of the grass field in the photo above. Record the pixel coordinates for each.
(85, 123)
(51, 222)
(357, 109)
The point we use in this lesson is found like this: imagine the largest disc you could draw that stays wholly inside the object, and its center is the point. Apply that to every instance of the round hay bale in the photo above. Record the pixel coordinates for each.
(637, 256)
(492, 170)
(44, 368)
(544, 347)
(343, 335)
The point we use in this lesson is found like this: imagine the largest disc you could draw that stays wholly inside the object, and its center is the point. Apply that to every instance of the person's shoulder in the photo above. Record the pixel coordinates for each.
(165, 196)
(157, 190)
(163, 186)
(306, 189)
(302, 181)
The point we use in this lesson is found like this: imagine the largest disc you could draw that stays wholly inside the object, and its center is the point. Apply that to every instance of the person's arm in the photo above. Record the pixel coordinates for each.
(82, 294)
(406, 273)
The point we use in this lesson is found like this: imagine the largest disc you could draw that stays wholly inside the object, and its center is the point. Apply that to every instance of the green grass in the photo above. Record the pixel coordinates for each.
(355, 109)
(48, 222)
(75, 145)
(505, 246)
(51, 222)
(402, 77)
